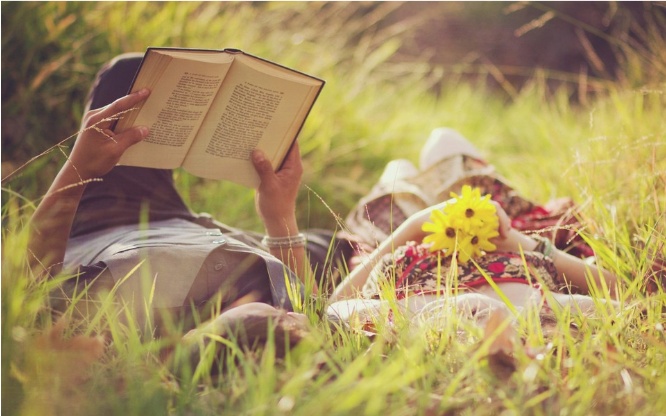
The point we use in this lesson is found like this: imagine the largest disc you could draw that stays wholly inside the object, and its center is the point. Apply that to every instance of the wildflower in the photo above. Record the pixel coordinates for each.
(471, 210)
(479, 243)
(464, 227)
(444, 234)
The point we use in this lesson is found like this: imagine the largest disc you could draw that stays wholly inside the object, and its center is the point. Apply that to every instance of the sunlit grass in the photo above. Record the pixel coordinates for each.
(608, 154)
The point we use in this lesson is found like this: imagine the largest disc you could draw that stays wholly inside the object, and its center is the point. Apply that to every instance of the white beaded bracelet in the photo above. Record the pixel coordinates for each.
(297, 240)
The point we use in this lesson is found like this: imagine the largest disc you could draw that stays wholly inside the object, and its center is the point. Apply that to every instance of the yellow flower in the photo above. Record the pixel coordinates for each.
(479, 242)
(443, 235)
(471, 210)
(465, 226)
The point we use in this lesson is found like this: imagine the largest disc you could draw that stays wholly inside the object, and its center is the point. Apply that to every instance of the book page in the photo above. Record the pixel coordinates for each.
(174, 111)
(252, 110)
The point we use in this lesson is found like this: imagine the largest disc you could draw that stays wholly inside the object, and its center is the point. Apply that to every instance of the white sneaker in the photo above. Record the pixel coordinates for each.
(444, 143)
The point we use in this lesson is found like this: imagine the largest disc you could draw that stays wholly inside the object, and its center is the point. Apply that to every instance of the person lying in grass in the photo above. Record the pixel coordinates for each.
(463, 253)
(126, 230)
(520, 271)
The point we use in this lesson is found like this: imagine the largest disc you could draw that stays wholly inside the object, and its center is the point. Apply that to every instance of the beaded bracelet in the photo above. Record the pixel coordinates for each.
(544, 246)
(297, 240)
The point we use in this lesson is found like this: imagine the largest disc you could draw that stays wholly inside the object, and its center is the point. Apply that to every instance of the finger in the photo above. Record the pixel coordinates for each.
(107, 114)
(292, 166)
(505, 223)
(294, 154)
(131, 136)
(262, 165)
(293, 159)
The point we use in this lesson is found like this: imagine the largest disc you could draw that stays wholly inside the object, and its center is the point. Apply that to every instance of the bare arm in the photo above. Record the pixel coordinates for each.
(275, 202)
(410, 230)
(571, 269)
(96, 151)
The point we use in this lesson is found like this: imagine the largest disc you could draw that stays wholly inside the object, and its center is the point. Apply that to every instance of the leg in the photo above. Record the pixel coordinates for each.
(357, 310)
(249, 326)
(475, 307)
(581, 304)
(126, 193)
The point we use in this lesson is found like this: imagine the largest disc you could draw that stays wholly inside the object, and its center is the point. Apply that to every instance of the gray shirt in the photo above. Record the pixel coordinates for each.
(172, 262)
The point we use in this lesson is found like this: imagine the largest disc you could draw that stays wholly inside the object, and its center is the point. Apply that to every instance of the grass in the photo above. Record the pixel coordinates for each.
(609, 154)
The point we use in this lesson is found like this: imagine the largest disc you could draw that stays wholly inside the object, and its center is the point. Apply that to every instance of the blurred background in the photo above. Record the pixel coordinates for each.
(566, 99)
(394, 72)
(512, 39)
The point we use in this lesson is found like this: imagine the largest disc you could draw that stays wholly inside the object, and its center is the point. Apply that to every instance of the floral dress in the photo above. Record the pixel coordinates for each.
(385, 208)
(415, 270)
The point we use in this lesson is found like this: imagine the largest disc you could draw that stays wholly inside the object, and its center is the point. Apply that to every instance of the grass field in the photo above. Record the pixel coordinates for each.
(608, 153)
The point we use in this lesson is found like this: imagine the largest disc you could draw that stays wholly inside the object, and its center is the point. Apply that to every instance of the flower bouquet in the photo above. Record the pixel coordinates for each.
(464, 227)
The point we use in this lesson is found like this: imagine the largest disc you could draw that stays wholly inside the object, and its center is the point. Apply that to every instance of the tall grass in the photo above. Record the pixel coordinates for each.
(608, 154)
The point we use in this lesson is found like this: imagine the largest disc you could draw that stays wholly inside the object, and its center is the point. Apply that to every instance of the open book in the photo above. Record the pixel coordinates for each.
(208, 109)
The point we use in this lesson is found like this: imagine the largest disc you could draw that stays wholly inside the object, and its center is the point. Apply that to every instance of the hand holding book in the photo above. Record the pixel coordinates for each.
(209, 109)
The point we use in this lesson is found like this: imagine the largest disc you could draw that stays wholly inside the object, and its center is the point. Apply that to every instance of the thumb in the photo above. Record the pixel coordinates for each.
(261, 164)
(504, 220)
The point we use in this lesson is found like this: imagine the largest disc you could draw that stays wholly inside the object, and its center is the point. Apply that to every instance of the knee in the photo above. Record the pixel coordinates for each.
(475, 307)
(249, 309)
(583, 304)
(478, 307)
(478, 301)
